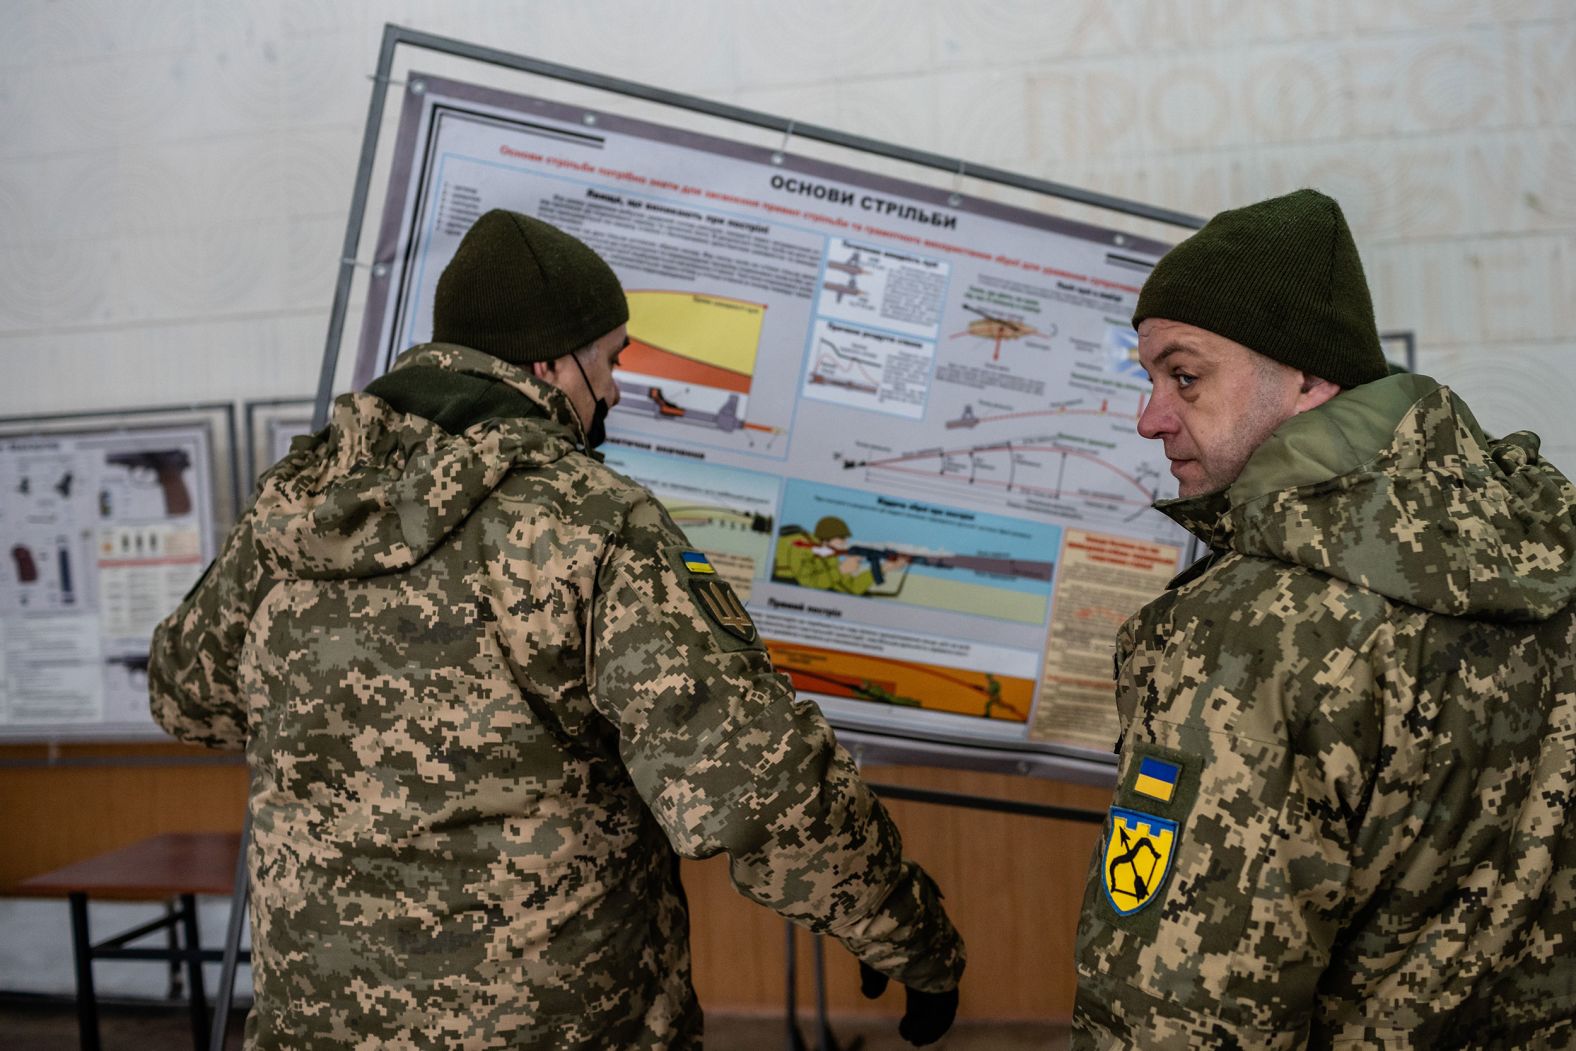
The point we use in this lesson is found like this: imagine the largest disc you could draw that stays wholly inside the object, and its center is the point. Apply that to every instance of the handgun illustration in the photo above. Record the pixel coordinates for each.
(136, 666)
(168, 465)
(26, 568)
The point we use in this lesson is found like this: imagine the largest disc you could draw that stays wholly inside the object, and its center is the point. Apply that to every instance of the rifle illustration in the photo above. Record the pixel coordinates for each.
(1001, 567)
(167, 465)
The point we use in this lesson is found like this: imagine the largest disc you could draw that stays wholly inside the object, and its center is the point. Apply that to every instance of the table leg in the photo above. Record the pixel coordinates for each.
(791, 960)
(172, 938)
(199, 998)
(82, 955)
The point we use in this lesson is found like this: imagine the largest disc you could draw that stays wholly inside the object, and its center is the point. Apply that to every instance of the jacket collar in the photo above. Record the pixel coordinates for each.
(522, 394)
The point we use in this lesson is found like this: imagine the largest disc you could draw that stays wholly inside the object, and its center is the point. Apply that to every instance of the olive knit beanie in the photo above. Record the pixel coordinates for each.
(1281, 277)
(525, 291)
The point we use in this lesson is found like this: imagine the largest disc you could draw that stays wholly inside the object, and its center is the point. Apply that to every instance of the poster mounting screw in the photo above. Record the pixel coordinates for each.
(956, 197)
(781, 152)
(589, 118)
(418, 87)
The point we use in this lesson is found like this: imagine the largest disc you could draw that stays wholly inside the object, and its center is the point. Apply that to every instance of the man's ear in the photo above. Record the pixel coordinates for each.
(543, 370)
(1314, 391)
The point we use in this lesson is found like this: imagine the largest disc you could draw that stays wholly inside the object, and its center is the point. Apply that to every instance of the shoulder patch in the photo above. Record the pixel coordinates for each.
(1138, 852)
(696, 562)
(1144, 828)
(1156, 778)
(712, 594)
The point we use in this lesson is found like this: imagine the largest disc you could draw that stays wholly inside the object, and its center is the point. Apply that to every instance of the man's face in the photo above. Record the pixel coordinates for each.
(589, 376)
(1214, 401)
(599, 360)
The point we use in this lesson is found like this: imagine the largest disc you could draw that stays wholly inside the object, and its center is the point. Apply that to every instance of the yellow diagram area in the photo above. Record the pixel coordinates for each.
(713, 331)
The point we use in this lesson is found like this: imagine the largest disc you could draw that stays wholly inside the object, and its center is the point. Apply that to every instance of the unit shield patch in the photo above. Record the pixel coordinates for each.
(1138, 852)
(712, 594)
(718, 601)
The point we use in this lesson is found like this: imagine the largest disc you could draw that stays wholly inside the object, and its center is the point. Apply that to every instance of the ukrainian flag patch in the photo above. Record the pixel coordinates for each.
(1157, 778)
(696, 562)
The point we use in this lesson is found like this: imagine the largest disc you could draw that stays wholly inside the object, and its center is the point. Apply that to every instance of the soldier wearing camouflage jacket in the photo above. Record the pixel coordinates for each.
(488, 697)
(1349, 735)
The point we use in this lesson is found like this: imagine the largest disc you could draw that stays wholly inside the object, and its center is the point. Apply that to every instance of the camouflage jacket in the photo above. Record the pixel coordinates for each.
(488, 696)
(1349, 750)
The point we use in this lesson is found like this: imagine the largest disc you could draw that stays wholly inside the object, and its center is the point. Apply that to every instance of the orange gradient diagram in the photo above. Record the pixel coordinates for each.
(902, 684)
(654, 361)
(705, 340)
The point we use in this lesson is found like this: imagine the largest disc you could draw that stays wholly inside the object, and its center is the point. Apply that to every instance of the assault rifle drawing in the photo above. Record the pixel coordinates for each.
(1001, 567)
(168, 465)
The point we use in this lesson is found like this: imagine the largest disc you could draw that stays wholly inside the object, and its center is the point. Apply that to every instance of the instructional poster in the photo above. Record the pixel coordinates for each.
(104, 531)
(900, 422)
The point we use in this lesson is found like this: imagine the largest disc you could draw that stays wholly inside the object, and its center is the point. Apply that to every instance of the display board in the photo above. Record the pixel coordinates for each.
(819, 350)
(270, 426)
(107, 521)
(1400, 348)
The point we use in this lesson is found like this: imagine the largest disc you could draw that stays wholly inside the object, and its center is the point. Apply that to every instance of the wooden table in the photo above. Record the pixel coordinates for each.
(162, 868)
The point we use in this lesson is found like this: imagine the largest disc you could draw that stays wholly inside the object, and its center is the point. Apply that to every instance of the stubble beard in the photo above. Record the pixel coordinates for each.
(1259, 419)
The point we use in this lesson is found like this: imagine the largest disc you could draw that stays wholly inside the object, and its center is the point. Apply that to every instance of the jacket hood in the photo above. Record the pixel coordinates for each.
(403, 463)
(1393, 486)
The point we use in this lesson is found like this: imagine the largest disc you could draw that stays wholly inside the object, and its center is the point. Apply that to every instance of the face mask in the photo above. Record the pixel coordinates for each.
(596, 433)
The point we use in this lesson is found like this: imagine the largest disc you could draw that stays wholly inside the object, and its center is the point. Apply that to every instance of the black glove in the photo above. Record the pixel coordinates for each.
(926, 1016)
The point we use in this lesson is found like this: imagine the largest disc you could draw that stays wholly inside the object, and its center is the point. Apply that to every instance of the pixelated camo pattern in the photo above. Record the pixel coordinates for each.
(1377, 687)
(483, 716)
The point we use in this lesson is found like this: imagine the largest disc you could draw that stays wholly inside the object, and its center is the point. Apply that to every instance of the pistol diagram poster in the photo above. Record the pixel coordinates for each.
(901, 423)
(103, 533)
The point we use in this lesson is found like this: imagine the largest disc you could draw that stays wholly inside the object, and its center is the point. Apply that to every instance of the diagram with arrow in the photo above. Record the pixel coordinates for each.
(998, 329)
(864, 369)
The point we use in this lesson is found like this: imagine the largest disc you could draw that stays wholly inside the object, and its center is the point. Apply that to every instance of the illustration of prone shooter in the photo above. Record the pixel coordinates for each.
(167, 465)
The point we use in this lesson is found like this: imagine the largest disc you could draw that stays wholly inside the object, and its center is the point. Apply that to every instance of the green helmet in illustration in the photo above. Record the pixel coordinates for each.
(831, 528)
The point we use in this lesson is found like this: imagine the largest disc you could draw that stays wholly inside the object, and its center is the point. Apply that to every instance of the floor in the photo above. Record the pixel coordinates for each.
(52, 1026)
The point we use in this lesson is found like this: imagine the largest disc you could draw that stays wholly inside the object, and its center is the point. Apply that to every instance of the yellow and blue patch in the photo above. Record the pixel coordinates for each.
(1157, 778)
(714, 598)
(696, 562)
(1138, 852)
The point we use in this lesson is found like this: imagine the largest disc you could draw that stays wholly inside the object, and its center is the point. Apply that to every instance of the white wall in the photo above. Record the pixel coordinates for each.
(175, 174)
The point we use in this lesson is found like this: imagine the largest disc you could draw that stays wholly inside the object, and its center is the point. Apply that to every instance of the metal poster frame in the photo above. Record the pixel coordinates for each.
(219, 419)
(1400, 347)
(260, 415)
(1069, 763)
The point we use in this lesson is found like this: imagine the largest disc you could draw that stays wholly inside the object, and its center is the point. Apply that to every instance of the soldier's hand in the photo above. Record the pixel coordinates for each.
(926, 1016)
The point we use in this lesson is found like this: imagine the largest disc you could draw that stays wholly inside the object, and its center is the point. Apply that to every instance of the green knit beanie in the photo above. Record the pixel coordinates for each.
(525, 291)
(1281, 277)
